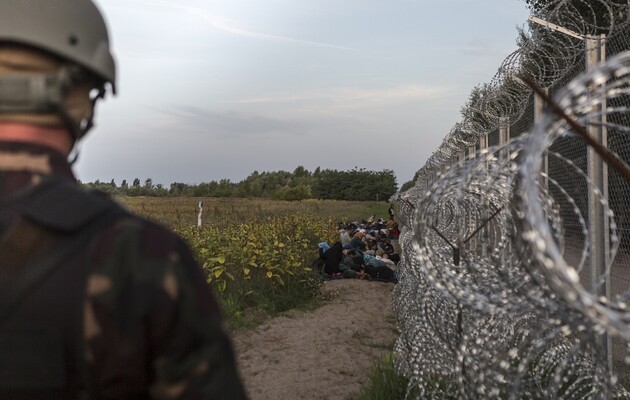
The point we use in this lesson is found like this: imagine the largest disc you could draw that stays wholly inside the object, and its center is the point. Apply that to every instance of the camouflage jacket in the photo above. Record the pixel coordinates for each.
(127, 304)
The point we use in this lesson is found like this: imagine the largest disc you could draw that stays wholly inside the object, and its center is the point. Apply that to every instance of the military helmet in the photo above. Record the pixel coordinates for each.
(70, 29)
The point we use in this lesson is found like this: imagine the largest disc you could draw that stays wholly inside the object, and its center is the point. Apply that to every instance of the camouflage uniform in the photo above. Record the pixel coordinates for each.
(122, 312)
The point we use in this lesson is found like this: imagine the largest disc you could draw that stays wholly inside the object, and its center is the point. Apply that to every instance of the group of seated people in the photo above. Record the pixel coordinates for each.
(363, 251)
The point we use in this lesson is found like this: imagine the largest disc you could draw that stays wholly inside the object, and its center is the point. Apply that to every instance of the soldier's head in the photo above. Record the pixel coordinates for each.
(55, 63)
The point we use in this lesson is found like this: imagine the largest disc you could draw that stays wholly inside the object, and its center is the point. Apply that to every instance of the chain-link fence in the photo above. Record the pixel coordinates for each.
(515, 240)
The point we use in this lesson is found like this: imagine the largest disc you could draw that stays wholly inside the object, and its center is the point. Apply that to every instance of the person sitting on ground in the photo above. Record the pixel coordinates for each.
(392, 227)
(394, 257)
(319, 263)
(371, 246)
(353, 260)
(332, 258)
(357, 242)
(352, 265)
(379, 224)
(345, 235)
(378, 269)
(385, 258)
(385, 244)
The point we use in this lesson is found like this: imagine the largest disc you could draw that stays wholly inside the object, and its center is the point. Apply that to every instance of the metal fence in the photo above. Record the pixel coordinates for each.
(515, 270)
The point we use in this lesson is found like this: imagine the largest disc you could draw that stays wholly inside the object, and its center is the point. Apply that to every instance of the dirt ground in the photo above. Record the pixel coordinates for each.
(321, 354)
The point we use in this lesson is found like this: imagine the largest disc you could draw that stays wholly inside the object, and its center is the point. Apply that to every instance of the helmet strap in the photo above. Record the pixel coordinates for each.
(73, 157)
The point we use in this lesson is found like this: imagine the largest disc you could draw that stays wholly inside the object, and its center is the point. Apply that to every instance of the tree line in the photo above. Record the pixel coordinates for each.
(356, 184)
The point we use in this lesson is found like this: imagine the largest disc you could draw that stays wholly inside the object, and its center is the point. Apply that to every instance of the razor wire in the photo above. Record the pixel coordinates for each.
(497, 295)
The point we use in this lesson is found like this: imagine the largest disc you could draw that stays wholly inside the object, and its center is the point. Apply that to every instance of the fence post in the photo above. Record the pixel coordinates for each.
(483, 142)
(504, 157)
(504, 137)
(483, 145)
(539, 106)
(504, 131)
(199, 215)
(598, 174)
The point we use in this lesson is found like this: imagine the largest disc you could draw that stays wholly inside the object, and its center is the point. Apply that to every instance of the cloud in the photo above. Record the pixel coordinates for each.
(234, 27)
(187, 119)
(358, 97)
(230, 27)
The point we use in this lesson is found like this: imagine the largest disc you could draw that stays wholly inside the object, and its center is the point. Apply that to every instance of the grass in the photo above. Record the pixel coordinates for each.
(175, 211)
(249, 311)
(384, 382)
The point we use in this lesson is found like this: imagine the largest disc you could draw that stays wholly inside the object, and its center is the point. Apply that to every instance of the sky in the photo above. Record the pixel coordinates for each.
(214, 89)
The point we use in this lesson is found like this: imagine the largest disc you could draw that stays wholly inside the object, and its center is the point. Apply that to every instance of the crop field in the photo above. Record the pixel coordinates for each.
(181, 211)
(256, 253)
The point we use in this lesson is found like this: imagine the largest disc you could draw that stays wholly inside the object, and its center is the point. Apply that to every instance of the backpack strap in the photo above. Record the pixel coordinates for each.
(60, 220)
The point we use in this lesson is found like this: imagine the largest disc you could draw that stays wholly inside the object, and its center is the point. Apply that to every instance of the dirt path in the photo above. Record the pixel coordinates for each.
(321, 354)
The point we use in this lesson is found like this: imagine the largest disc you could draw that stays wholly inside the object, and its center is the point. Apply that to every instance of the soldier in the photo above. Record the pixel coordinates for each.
(95, 303)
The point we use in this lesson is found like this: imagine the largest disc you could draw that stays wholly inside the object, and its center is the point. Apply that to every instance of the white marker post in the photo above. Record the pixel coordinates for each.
(200, 206)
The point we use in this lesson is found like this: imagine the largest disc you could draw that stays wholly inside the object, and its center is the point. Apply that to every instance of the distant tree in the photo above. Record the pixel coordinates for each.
(356, 184)
(293, 193)
(409, 184)
(224, 188)
(177, 188)
(301, 172)
(385, 184)
(159, 190)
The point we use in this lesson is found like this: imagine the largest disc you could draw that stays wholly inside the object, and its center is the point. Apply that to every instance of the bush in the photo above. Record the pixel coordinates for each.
(264, 264)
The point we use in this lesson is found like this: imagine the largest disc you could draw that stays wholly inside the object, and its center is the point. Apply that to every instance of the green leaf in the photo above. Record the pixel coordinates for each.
(279, 279)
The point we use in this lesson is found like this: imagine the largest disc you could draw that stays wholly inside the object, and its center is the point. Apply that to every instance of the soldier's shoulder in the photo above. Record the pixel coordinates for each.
(134, 233)
(65, 207)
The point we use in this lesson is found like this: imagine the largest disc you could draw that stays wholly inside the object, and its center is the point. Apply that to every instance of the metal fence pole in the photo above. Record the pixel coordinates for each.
(539, 106)
(483, 142)
(504, 131)
(504, 139)
(598, 174)
(483, 145)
